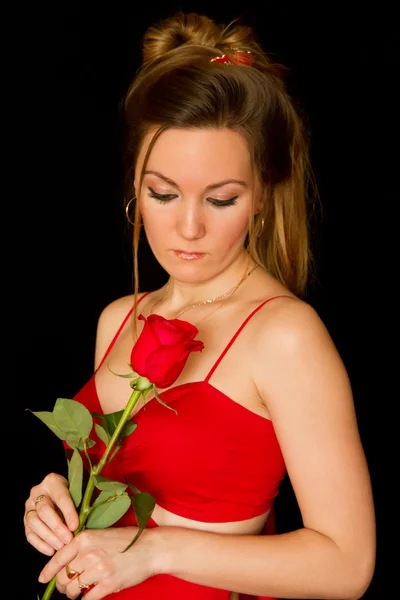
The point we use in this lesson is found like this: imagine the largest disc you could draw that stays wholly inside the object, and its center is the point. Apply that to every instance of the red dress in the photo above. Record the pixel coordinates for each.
(216, 461)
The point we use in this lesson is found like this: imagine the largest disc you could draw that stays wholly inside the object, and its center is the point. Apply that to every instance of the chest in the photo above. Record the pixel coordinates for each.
(226, 362)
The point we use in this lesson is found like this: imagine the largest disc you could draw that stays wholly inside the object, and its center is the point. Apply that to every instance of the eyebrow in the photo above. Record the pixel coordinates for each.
(211, 186)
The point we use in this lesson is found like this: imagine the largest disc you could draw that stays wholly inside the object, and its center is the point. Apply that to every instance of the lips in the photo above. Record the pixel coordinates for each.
(185, 255)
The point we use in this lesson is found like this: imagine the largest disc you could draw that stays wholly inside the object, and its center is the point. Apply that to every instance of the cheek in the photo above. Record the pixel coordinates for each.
(155, 220)
(230, 231)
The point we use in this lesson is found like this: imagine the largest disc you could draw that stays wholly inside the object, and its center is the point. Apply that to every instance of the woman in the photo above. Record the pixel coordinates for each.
(220, 173)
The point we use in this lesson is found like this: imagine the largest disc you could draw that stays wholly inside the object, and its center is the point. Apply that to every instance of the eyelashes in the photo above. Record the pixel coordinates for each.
(221, 203)
(165, 198)
(162, 198)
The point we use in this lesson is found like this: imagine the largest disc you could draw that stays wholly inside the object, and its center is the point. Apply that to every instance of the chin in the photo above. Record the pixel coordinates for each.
(188, 271)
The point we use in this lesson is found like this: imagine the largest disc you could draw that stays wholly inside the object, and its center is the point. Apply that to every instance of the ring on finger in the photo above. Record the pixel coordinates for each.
(83, 586)
(71, 573)
(29, 511)
(39, 498)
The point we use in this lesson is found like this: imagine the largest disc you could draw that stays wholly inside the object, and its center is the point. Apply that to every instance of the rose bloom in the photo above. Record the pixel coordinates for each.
(163, 348)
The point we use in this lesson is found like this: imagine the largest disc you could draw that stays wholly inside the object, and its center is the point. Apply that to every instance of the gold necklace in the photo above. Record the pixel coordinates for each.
(229, 293)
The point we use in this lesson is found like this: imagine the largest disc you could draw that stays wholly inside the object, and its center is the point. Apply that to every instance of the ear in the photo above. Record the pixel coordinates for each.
(260, 195)
(258, 204)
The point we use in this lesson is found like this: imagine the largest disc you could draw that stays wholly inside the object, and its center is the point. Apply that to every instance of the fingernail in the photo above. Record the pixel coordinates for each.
(67, 537)
(42, 579)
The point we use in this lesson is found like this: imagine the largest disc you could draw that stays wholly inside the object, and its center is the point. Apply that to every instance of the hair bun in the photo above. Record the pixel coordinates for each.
(178, 30)
(185, 29)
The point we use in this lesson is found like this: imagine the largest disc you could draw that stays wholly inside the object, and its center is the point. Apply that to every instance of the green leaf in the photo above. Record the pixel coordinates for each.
(128, 428)
(102, 433)
(104, 484)
(75, 477)
(106, 514)
(110, 421)
(90, 443)
(48, 419)
(75, 441)
(72, 417)
(102, 498)
(143, 505)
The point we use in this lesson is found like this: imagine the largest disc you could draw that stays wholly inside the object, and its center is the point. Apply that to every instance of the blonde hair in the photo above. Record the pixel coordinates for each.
(178, 86)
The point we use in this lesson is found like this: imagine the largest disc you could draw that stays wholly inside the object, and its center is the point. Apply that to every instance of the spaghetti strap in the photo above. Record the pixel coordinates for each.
(240, 329)
(120, 328)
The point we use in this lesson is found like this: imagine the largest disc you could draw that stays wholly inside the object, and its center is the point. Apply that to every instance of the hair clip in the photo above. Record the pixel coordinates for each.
(243, 57)
(238, 57)
(222, 59)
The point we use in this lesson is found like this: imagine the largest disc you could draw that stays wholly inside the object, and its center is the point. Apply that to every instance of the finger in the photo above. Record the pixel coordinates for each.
(83, 584)
(58, 562)
(39, 544)
(50, 526)
(55, 486)
(78, 577)
(65, 505)
(36, 526)
(65, 577)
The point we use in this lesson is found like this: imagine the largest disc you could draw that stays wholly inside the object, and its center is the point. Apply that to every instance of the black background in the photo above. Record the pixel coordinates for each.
(74, 62)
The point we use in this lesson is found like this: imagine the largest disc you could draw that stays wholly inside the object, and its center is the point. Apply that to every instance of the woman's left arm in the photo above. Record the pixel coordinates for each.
(305, 386)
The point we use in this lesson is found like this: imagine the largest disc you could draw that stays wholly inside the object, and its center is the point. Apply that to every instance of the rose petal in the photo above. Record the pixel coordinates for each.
(171, 331)
(166, 377)
(146, 343)
(165, 364)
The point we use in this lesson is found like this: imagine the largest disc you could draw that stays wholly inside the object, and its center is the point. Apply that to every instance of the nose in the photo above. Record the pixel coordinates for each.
(191, 223)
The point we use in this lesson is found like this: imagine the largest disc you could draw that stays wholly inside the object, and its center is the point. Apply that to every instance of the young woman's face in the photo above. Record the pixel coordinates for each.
(196, 200)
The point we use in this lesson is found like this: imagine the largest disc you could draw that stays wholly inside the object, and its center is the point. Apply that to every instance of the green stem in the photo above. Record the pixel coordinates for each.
(85, 504)
(49, 589)
(124, 418)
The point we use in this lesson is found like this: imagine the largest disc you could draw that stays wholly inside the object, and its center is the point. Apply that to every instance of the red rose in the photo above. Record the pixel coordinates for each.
(163, 348)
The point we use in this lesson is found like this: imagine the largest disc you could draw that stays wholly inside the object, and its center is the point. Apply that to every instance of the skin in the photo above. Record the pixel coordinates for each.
(290, 372)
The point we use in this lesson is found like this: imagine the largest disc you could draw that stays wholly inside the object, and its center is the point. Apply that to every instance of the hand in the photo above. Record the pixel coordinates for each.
(50, 515)
(99, 564)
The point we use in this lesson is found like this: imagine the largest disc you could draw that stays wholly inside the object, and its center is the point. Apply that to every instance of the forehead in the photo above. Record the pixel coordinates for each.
(203, 155)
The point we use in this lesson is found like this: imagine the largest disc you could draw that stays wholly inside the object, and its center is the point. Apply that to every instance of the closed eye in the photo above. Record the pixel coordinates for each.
(163, 198)
(222, 203)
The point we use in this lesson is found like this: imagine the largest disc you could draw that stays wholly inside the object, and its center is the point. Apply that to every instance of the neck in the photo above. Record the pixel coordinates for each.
(181, 293)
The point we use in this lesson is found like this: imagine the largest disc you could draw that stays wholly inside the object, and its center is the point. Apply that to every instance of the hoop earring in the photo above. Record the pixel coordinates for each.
(127, 210)
(261, 228)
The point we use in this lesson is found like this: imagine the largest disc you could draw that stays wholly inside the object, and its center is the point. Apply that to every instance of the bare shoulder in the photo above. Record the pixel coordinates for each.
(296, 362)
(115, 310)
(110, 319)
(290, 325)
